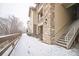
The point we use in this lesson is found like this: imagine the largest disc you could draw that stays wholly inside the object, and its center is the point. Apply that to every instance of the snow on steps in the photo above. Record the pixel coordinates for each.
(69, 38)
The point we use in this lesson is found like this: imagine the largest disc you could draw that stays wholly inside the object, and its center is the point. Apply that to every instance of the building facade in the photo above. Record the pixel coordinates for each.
(50, 21)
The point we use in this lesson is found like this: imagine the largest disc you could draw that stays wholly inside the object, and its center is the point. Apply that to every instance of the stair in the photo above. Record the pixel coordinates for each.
(68, 37)
(61, 42)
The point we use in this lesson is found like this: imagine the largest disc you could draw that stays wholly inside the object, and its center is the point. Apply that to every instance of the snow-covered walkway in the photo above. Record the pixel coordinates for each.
(33, 46)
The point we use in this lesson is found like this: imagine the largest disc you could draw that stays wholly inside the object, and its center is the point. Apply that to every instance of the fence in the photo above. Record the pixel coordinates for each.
(7, 43)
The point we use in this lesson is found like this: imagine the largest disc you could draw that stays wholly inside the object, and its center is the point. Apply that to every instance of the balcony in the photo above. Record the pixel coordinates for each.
(41, 17)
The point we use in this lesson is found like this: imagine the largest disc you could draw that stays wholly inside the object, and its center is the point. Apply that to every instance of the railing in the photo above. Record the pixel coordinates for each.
(8, 41)
(41, 19)
(71, 35)
(40, 6)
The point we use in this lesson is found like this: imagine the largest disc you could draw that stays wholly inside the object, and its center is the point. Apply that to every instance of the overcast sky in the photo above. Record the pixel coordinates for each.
(19, 10)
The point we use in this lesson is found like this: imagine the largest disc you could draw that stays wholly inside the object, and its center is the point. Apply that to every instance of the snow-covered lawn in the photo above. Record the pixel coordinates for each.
(34, 47)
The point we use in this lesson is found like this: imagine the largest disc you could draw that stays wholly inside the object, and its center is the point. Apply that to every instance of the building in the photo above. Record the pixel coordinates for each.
(52, 22)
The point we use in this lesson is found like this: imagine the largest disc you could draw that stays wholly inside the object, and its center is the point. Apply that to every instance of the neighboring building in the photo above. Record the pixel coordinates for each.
(33, 21)
(51, 21)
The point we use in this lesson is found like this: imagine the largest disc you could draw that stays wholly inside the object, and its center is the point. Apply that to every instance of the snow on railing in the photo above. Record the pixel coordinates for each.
(70, 36)
(7, 41)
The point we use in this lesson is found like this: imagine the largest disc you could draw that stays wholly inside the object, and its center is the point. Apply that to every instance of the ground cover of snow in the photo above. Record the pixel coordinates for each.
(30, 46)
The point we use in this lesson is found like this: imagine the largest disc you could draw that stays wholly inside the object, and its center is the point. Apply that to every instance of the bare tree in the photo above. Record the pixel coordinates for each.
(10, 25)
(4, 26)
(16, 24)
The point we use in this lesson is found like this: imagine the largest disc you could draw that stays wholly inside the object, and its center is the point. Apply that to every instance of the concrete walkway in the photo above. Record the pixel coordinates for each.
(30, 46)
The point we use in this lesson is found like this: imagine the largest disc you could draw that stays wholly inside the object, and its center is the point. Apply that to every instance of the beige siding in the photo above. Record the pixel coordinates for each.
(61, 19)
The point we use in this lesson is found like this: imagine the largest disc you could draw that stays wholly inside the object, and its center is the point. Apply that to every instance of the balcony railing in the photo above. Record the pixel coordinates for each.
(39, 7)
(8, 41)
(41, 19)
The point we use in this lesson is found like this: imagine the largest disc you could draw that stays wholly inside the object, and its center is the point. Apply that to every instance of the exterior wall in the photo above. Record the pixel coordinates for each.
(52, 22)
(31, 21)
(35, 22)
(46, 26)
(61, 20)
(45, 22)
(35, 17)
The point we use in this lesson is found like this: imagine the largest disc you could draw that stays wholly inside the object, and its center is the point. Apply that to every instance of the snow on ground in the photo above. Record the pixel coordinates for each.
(30, 46)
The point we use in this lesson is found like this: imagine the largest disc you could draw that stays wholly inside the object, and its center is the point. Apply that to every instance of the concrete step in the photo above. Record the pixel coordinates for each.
(60, 44)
